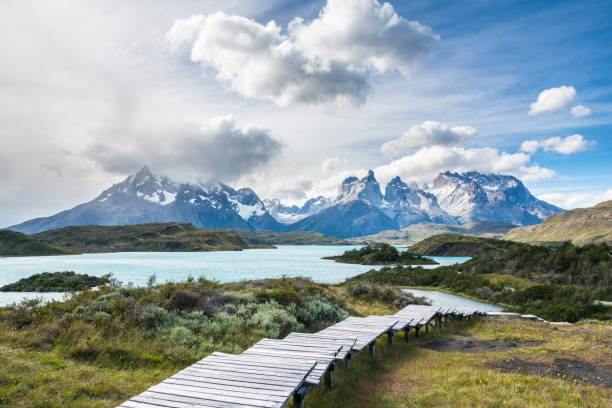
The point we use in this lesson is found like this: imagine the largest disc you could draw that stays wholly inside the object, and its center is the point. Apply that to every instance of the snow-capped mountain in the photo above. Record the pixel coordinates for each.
(484, 196)
(359, 208)
(289, 214)
(408, 204)
(366, 189)
(355, 211)
(145, 197)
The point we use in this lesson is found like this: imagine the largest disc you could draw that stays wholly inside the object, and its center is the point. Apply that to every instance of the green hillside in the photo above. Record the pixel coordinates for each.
(287, 238)
(17, 244)
(157, 237)
(417, 232)
(462, 245)
(580, 226)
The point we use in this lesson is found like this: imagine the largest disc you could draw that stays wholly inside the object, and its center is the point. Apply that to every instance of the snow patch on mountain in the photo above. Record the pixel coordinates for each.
(160, 197)
(474, 196)
(289, 214)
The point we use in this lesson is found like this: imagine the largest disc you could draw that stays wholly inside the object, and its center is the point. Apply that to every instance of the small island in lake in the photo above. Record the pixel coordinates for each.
(55, 282)
(381, 254)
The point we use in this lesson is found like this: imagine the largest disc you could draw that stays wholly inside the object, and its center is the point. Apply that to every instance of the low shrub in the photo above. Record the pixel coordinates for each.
(182, 336)
(274, 321)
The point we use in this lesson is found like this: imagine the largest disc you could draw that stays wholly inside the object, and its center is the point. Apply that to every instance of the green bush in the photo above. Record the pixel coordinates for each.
(182, 336)
(184, 300)
(318, 310)
(100, 319)
(273, 321)
(154, 317)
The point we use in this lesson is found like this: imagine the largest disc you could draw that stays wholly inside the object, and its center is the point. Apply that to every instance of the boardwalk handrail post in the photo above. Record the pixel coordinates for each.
(298, 400)
(328, 377)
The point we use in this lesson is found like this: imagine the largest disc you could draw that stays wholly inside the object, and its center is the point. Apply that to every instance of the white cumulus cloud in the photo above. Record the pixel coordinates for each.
(553, 99)
(568, 145)
(333, 163)
(326, 60)
(581, 199)
(530, 146)
(579, 111)
(427, 162)
(429, 133)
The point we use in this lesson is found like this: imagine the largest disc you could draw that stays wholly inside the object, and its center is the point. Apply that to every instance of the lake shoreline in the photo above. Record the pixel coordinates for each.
(463, 300)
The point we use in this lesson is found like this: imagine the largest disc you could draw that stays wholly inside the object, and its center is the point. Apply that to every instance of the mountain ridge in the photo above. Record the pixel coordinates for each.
(359, 208)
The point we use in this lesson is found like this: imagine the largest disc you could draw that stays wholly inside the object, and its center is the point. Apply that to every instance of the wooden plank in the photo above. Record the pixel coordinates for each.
(169, 399)
(205, 395)
(324, 356)
(218, 371)
(318, 338)
(158, 400)
(255, 377)
(163, 398)
(236, 386)
(224, 390)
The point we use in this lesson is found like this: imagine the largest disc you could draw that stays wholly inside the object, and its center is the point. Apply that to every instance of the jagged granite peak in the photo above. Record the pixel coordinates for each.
(147, 197)
(474, 196)
(407, 204)
(365, 189)
(394, 188)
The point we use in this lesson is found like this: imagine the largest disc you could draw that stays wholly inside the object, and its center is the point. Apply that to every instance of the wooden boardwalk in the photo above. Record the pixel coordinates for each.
(272, 371)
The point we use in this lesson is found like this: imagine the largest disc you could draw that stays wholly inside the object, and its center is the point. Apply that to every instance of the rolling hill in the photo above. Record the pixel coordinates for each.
(17, 244)
(158, 237)
(580, 226)
(462, 245)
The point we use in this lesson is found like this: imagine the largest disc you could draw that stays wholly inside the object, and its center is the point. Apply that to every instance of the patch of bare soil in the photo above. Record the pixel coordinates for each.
(572, 368)
(476, 346)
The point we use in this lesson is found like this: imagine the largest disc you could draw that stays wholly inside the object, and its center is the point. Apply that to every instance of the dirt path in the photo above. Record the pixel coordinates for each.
(572, 368)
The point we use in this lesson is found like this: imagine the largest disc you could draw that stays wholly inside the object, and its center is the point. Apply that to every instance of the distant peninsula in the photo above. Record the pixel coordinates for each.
(152, 237)
(381, 254)
(462, 245)
(17, 244)
(286, 238)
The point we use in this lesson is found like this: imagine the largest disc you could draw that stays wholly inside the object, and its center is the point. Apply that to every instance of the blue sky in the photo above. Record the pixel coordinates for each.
(91, 91)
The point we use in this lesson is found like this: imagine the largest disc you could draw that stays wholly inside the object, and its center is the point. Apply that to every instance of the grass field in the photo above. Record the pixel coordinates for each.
(405, 375)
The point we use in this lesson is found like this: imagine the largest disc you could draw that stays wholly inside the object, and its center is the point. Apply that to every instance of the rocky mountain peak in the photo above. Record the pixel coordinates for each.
(394, 189)
(364, 189)
(476, 195)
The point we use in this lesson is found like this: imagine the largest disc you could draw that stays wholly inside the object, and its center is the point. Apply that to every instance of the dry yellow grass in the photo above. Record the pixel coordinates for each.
(413, 376)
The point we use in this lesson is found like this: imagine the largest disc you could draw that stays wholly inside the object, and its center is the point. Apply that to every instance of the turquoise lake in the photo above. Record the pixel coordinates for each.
(224, 266)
